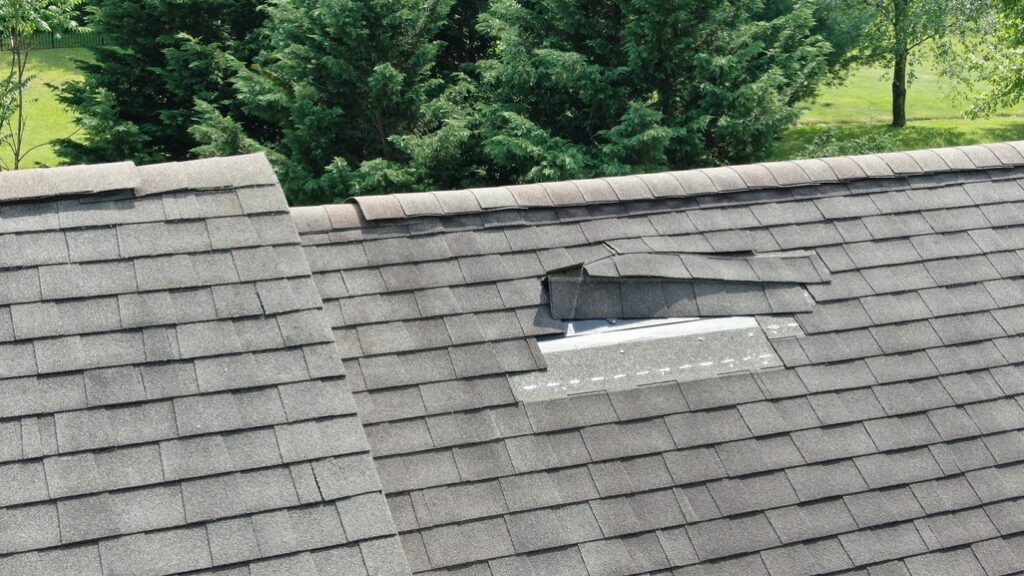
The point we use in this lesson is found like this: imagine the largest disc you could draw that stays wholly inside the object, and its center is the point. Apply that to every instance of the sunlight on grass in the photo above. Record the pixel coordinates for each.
(861, 108)
(47, 119)
(921, 134)
(866, 95)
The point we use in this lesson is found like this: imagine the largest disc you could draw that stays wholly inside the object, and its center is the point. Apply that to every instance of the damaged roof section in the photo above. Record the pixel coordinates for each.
(673, 285)
(171, 396)
(887, 443)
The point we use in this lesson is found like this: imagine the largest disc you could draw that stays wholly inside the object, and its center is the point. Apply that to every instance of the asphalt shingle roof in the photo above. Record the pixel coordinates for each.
(171, 397)
(889, 442)
(195, 381)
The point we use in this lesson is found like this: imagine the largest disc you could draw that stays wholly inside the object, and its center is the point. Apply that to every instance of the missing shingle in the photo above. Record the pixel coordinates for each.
(596, 356)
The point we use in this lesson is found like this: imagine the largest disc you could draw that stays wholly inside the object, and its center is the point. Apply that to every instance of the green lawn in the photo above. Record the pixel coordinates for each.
(860, 109)
(47, 119)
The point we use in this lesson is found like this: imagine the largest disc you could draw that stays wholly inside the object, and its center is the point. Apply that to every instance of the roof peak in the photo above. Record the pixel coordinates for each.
(84, 180)
(356, 212)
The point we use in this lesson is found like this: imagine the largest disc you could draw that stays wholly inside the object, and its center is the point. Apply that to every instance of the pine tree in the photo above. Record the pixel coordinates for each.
(137, 99)
(335, 81)
(586, 87)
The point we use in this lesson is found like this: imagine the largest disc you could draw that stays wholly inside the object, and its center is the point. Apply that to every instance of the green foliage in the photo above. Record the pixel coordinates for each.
(462, 44)
(943, 27)
(900, 33)
(576, 88)
(137, 98)
(370, 96)
(831, 142)
(20, 20)
(334, 82)
(1001, 62)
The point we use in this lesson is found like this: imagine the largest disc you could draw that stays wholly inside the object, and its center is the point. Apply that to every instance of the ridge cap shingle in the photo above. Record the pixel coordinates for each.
(357, 211)
(78, 180)
(89, 179)
(206, 174)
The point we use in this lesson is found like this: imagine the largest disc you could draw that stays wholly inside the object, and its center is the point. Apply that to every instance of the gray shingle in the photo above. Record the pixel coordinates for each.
(23, 482)
(730, 536)
(819, 556)
(530, 453)
(699, 428)
(811, 521)
(889, 279)
(170, 551)
(945, 562)
(849, 406)
(958, 528)
(320, 439)
(824, 480)
(906, 337)
(901, 367)
(883, 506)
(104, 427)
(552, 527)
(759, 454)
(898, 468)
(627, 439)
(29, 527)
(483, 461)
(753, 493)
(867, 546)
(765, 418)
(462, 543)
(365, 516)
(122, 512)
(216, 454)
(828, 443)
(90, 279)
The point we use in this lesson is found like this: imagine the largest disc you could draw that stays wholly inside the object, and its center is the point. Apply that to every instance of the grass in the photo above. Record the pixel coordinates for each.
(861, 109)
(47, 119)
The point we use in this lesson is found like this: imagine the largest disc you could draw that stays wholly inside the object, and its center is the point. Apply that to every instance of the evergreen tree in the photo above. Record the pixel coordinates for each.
(137, 100)
(336, 80)
(586, 87)
(462, 44)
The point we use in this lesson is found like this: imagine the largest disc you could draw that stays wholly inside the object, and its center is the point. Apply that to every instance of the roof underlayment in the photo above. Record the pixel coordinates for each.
(171, 396)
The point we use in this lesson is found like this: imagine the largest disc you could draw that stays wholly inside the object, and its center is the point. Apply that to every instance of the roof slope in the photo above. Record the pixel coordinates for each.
(170, 394)
(891, 441)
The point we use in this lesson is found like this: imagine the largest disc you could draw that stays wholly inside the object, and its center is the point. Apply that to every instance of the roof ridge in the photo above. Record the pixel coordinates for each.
(83, 179)
(358, 211)
(88, 179)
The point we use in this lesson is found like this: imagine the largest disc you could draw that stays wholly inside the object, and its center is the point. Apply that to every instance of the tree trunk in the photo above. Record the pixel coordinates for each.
(899, 92)
(900, 55)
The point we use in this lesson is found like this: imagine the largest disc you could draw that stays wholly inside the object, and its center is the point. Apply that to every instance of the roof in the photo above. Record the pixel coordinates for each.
(193, 382)
(889, 442)
(171, 398)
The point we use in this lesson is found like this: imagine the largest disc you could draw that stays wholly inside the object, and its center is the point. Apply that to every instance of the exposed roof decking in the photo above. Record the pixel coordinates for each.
(891, 440)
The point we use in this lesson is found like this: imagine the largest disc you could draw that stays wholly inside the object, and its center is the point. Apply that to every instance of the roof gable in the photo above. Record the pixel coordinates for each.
(171, 399)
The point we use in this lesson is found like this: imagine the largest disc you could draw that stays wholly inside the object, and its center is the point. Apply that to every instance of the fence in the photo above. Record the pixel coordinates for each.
(44, 40)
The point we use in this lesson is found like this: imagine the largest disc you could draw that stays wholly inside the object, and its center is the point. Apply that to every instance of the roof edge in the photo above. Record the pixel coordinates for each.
(88, 179)
(79, 180)
(358, 211)
(207, 174)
